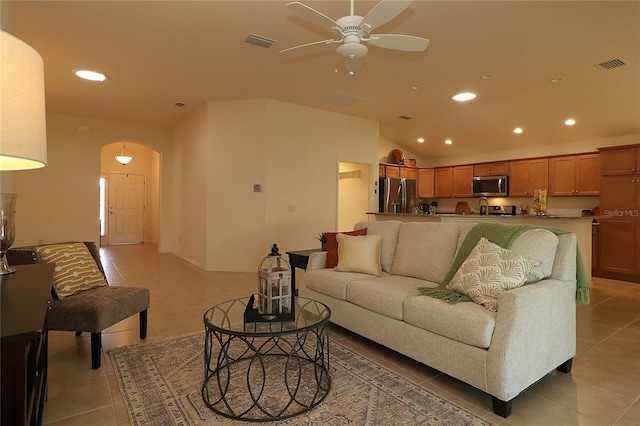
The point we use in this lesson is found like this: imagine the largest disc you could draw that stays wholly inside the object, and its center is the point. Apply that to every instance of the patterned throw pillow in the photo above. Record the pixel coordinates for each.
(488, 271)
(75, 269)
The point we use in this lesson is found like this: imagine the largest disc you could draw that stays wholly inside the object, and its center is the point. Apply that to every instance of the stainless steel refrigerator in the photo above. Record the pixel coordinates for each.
(397, 195)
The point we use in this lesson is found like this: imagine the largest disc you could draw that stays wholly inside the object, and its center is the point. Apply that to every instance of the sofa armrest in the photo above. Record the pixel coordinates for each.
(317, 260)
(535, 332)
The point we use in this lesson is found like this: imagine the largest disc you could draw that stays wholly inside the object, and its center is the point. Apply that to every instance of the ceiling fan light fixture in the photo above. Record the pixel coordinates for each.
(352, 50)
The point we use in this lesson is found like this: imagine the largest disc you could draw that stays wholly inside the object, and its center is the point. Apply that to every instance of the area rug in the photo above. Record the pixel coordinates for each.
(161, 385)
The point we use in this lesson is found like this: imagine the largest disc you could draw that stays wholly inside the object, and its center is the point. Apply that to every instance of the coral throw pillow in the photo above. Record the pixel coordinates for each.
(332, 245)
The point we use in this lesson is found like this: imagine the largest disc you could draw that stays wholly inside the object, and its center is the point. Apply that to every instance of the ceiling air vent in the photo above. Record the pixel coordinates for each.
(341, 98)
(259, 41)
(407, 117)
(611, 64)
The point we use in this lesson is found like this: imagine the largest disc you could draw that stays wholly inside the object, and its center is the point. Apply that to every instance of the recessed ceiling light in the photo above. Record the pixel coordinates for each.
(464, 97)
(517, 130)
(570, 122)
(420, 140)
(91, 75)
(448, 141)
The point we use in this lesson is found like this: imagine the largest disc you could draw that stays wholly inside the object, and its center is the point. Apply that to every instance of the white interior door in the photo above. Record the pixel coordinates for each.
(126, 208)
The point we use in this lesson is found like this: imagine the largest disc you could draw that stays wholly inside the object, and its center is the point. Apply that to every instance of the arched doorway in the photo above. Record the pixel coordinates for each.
(130, 195)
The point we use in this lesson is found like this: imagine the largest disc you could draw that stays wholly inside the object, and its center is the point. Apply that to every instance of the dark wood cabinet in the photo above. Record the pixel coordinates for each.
(25, 302)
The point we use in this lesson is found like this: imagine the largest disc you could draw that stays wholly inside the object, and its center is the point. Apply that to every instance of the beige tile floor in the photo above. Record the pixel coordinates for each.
(603, 388)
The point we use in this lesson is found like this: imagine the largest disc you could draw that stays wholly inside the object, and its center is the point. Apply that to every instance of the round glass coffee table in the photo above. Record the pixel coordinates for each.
(265, 371)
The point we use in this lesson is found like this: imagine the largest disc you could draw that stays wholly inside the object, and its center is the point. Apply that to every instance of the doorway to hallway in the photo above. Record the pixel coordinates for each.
(354, 193)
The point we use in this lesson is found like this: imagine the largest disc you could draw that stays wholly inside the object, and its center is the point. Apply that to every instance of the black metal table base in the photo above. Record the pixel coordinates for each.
(266, 378)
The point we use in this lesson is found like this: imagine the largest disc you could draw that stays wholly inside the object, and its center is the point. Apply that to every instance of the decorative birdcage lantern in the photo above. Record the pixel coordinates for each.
(275, 294)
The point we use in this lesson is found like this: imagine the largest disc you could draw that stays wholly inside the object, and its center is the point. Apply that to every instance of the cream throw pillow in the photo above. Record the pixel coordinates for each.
(75, 269)
(488, 271)
(359, 254)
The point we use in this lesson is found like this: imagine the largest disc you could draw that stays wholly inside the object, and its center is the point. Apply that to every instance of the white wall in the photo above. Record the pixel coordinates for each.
(189, 186)
(292, 151)
(60, 202)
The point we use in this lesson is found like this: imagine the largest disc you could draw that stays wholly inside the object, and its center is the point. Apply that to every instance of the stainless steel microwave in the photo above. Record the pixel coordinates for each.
(490, 186)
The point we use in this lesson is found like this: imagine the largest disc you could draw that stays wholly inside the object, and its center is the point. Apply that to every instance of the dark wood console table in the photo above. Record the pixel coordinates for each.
(299, 259)
(25, 299)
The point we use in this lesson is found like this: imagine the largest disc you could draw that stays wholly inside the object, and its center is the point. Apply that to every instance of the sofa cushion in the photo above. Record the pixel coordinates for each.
(330, 282)
(464, 322)
(359, 254)
(385, 295)
(332, 245)
(540, 244)
(488, 271)
(425, 250)
(75, 269)
(389, 230)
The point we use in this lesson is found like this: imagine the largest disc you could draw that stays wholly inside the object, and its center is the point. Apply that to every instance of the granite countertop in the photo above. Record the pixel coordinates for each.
(478, 216)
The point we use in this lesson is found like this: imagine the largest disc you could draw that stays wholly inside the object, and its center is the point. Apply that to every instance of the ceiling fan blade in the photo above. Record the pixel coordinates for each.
(312, 15)
(399, 42)
(330, 41)
(382, 13)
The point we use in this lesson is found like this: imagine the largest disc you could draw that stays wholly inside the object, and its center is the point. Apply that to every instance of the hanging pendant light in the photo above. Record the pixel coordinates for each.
(124, 158)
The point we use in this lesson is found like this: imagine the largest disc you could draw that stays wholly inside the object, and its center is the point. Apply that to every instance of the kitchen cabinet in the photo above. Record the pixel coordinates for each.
(620, 160)
(425, 183)
(443, 182)
(619, 230)
(572, 175)
(386, 170)
(525, 176)
(453, 181)
(497, 168)
(619, 233)
(409, 173)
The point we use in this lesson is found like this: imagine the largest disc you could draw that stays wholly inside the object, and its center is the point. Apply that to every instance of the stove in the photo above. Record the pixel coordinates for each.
(499, 210)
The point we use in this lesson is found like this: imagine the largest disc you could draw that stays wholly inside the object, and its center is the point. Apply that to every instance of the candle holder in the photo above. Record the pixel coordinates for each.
(7, 229)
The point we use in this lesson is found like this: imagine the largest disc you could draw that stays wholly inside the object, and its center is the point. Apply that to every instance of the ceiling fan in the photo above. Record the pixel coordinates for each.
(353, 30)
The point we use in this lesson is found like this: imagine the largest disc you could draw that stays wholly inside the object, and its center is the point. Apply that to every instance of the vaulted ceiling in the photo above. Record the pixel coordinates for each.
(159, 53)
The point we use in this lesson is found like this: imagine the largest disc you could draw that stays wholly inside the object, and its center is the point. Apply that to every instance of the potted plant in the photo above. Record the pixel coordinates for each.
(323, 240)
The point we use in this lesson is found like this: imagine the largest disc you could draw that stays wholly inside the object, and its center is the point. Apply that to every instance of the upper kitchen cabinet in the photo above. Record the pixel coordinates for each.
(386, 170)
(497, 168)
(574, 175)
(425, 183)
(623, 160)
(409, 173)
(525, 176)
(453, 181)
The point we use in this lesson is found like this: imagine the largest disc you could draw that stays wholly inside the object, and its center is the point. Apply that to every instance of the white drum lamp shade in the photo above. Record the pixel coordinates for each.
(23, 138)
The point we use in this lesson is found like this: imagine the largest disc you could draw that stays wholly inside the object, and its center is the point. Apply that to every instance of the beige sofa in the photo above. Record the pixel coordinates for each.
(501, 353)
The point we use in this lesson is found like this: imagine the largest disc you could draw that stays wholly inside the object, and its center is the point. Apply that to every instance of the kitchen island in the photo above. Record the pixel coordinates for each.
(579, 225)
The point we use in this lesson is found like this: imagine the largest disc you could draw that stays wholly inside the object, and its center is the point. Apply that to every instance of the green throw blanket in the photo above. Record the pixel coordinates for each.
(504, 236)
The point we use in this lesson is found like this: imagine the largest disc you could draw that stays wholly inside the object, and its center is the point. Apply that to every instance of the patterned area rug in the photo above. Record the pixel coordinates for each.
(161, 385)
